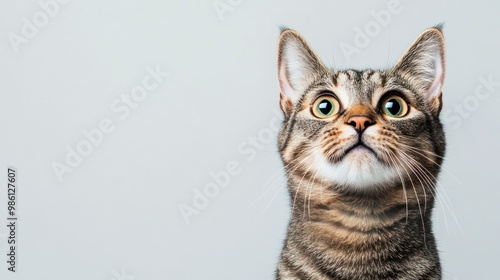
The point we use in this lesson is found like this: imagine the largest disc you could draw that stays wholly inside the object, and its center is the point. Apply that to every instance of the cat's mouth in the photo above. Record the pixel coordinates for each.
(359, 147)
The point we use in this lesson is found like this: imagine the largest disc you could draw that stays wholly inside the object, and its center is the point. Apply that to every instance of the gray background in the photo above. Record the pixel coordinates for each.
(116, 216)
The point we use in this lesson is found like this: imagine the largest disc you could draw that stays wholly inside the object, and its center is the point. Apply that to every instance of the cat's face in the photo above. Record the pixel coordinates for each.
(362, 130)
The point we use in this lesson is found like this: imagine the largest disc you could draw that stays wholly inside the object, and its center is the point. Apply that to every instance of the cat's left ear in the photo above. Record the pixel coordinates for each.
(423, 65)
(298, 67)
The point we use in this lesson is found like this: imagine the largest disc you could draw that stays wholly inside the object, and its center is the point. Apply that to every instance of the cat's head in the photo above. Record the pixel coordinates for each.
(361, 130)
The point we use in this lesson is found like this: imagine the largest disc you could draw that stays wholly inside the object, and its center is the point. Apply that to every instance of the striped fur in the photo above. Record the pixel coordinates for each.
(366, 213)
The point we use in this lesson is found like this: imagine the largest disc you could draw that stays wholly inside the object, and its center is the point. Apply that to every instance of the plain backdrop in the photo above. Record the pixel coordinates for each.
(117, 214)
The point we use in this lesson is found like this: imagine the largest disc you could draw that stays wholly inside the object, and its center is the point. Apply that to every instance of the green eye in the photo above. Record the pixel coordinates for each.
(325, 106)
(395, 106)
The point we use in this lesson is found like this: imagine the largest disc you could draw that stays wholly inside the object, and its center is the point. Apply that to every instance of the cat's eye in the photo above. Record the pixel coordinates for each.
(394, 106)
(325, 106)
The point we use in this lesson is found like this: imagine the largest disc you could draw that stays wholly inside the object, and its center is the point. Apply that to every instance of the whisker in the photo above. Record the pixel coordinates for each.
(277, 180)
(431, 184)
(440, 198)
(416, 150)
(298, 187)
(412, 168)
(390, 154)
(311, 180)
(416, 196)
(281, 180)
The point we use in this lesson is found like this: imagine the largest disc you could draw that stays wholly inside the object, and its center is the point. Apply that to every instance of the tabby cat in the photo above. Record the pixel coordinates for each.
(362, 150)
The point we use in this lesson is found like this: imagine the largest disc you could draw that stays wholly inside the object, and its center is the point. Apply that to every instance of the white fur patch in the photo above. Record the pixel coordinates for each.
(359, 169)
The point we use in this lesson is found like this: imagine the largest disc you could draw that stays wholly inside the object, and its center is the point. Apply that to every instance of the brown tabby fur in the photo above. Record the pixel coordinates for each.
(379, 230)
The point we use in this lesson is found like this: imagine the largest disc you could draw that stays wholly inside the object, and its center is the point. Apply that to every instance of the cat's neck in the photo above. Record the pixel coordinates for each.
(351, 229)
(360, 211)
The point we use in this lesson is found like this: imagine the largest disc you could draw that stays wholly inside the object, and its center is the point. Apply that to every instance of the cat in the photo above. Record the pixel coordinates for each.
(362, 151)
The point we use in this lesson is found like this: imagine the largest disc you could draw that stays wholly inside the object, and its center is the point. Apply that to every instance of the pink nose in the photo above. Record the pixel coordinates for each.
(360, 122)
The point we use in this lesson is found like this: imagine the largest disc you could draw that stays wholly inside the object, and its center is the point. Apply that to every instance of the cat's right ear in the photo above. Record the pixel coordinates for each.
(298, 67)
(423, 65)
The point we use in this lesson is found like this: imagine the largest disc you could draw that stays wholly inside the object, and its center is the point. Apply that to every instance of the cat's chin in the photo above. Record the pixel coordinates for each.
(359, 169)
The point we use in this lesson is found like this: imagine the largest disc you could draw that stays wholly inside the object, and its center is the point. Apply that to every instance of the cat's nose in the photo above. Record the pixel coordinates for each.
(360, 122)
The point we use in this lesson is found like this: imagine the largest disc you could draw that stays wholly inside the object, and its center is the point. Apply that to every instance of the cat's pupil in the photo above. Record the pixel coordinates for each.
(325, 107)
(393, 106)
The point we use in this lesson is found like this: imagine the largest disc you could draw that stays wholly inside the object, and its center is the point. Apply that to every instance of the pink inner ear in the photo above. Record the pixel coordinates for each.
(437, 84)
(435, 88)
(286, 88)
